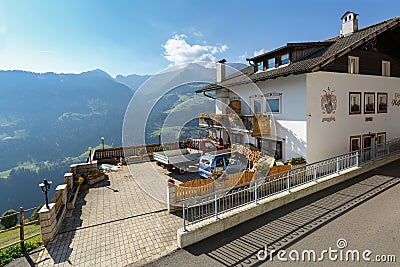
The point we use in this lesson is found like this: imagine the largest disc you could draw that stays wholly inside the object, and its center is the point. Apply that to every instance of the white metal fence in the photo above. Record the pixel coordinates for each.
(211, 205)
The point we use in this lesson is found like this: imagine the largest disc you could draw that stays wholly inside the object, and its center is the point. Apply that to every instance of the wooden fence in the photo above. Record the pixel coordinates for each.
(194, 188)
(238, 179)
(200, 187)
(19, 226)
(133, 151)
(279, 169)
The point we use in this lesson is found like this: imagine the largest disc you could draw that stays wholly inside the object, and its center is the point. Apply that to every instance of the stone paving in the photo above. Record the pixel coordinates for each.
(114, 223)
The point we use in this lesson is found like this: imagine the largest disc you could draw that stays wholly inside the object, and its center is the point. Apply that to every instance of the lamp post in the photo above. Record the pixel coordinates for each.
(102, 141)
(45, 186)
(90, 154)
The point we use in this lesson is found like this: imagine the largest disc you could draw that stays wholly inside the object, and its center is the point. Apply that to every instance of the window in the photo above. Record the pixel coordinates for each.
(257, 106)
(369, 103)
(382, 102)
(260, 66)
(380, 142)
(380, 138)
(353, 65)
(267, 104)
(367, 141)
(285, 59)
(355, 103)
(271, 63)
(273, 105)
(270, 147)
(386, 68)
(355, 143)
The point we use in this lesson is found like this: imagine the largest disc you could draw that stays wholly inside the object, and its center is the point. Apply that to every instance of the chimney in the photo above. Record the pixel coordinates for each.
(349, 23)
(221, 71)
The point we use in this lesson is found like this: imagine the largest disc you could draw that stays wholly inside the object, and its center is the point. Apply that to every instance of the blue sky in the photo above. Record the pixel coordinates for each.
(145, 37)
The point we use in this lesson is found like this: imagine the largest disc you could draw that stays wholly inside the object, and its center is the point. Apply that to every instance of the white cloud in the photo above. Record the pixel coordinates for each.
(178, 50)
(259, 52)
(196, 33)
(243, 57)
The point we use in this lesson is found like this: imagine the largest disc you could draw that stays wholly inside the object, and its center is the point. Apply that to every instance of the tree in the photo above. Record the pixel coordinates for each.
(35, 214)
(11, 221)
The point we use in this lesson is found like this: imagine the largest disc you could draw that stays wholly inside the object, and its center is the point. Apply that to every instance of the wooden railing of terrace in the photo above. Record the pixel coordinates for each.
(20, 226)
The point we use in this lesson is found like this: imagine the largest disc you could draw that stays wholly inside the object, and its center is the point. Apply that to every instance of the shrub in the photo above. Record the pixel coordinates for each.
(9, 221)
(14, 252)
(35, 214)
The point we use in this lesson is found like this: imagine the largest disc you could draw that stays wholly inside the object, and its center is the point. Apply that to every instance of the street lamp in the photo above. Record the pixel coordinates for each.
(102, 141)
(45, 186)
(90, 154)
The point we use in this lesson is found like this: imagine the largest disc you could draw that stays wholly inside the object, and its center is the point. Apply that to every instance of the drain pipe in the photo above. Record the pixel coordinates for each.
(204, 93)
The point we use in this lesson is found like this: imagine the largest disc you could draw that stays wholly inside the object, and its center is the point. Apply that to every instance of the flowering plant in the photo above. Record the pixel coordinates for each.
(369, 107)
(382, 106)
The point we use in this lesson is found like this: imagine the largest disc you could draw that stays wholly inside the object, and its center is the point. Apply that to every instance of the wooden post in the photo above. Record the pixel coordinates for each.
(21, 229)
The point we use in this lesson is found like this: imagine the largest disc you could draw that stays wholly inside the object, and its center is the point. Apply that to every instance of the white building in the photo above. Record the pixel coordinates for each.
(324, 98)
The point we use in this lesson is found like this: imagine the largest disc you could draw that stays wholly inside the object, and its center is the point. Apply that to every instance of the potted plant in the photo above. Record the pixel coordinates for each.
(298, 160)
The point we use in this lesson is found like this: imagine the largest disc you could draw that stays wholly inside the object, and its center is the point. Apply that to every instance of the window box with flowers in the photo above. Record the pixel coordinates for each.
(382, 102)
(369, 100)
(370, 107)
(355, 103)
(355, 108)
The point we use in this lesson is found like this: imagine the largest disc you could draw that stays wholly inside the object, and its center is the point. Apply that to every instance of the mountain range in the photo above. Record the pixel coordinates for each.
(48, 121)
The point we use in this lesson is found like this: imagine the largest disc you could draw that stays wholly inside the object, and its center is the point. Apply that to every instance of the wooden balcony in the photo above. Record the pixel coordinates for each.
(259, 125)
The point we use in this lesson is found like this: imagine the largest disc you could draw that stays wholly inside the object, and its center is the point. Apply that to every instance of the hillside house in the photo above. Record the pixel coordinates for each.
(315, 99)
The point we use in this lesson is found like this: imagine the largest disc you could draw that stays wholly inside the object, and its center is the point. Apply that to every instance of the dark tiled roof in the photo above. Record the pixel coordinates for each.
(335, 47)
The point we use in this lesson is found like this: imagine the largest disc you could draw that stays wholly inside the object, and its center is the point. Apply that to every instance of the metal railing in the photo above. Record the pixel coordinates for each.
(212, 205)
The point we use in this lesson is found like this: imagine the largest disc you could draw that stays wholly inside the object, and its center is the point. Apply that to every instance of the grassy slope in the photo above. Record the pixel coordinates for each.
(13, 235)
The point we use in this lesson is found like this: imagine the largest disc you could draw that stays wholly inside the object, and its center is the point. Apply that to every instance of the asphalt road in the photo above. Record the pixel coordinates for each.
(358, 217)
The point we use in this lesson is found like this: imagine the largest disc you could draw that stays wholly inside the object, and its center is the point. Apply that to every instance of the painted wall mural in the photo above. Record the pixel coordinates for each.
(396, 100)
(328, 104)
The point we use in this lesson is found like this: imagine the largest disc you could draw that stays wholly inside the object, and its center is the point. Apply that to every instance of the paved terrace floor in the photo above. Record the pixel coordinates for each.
(364, 211)
(114, 223)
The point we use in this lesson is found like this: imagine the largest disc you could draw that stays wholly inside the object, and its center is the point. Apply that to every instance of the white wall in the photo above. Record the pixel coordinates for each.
(291, 123)
(328, 139)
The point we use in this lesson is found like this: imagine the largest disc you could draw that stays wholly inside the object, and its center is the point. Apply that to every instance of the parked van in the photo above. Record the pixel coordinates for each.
(219, 161)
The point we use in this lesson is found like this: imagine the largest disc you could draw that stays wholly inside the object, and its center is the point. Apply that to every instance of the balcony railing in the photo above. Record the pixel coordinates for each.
(204, 207)
(257, 125)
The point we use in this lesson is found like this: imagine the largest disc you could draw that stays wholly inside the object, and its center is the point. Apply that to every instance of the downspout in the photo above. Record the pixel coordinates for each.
(204, 93)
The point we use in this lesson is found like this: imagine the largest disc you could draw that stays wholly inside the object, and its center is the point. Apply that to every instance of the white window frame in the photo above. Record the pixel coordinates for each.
(379, 136)
(254, 100)
(263, 99)
(353, 65)
(260, 66)
(385, 68)
(273, 67)
(273, 96)
(288, 59)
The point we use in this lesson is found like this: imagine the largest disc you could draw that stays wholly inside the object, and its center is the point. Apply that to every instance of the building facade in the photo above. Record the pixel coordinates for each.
(316, 99)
